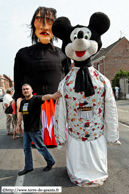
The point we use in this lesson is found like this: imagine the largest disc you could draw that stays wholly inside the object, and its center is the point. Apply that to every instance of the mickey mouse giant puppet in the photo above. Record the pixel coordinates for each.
(87, 103)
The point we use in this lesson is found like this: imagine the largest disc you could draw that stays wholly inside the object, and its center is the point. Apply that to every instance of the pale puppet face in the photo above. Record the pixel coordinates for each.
(43, 32)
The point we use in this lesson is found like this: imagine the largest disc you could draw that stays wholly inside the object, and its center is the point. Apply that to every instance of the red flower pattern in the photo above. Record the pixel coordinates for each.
(95, 74)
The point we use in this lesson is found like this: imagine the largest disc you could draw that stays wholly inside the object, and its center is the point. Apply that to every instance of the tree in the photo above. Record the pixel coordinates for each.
(118, 75)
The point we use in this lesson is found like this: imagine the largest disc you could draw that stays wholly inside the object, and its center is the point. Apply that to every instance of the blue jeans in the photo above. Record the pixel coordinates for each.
(36, 137)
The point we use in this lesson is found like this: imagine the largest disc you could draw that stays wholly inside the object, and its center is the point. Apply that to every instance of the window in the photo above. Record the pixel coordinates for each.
(98, 67)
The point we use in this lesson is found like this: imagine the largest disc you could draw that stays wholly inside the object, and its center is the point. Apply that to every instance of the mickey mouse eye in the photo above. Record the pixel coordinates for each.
(86, 36)
(75, 36)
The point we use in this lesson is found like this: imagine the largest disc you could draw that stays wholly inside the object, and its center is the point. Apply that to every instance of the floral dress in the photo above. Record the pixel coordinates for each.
(91, 122)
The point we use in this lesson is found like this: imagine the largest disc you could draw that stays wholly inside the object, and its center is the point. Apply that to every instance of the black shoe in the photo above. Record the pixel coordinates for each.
(47, 168)
(24, 171)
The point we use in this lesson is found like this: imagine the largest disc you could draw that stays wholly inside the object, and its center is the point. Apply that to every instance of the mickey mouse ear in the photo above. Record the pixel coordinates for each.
(61, 27)
(99, 22)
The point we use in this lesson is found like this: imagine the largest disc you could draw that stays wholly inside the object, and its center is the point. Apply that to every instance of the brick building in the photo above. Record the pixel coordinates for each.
(5, 82)
(113, 58)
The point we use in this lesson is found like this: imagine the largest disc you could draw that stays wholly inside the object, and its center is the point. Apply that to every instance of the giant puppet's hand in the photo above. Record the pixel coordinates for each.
(114, 144)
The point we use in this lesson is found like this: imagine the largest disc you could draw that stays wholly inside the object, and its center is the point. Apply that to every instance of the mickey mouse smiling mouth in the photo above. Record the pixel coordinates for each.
(80, 53)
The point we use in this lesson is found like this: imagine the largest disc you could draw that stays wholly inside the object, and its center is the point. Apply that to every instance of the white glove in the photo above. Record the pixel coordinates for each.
(60, 147)
(114, 144)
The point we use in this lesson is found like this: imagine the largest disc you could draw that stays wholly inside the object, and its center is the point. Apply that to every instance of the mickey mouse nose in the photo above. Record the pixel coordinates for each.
(80, 34)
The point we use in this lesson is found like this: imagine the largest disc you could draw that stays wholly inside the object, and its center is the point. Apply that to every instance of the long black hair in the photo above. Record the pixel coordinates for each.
(43, 12)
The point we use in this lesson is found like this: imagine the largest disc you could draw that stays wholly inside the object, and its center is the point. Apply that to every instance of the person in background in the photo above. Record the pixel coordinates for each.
(6, 102)
(116, 92)
(43, 66)
(30, 110)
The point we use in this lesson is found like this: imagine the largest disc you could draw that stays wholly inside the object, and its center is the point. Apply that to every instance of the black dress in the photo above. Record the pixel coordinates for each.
(40, 66)
(43, 67)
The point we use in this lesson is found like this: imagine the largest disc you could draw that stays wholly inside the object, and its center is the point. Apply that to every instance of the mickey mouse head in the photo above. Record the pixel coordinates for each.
(81, 42)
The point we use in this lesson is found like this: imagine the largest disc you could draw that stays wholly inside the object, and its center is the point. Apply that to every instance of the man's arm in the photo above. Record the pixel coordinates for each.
(18, 105)
(54, 96)
(6, 105)
(19, 120)
(6, 102)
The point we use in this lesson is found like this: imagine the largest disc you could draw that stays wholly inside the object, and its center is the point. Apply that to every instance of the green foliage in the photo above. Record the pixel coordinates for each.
(118, 75)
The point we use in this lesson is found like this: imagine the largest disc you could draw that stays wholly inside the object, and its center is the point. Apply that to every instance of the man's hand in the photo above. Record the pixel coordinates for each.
(56, 95)
(18, 128)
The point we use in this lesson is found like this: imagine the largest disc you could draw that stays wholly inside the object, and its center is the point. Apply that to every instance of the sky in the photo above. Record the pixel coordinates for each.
(16, 15)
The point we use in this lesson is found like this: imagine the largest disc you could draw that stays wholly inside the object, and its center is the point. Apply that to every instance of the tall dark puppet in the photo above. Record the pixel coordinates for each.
(87, 103)
(41, 65)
